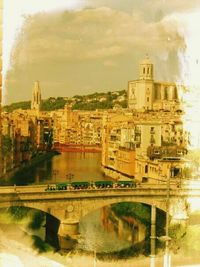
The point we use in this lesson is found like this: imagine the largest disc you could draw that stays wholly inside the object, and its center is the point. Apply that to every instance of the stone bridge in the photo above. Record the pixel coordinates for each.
(69, 206)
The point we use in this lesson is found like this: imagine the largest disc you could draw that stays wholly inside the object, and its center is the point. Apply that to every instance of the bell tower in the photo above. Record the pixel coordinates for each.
(141, 91)
(36, 97)
(146, 69)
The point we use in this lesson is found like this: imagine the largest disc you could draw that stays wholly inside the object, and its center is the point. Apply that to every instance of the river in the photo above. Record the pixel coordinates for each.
(94, 237)
(67, 166)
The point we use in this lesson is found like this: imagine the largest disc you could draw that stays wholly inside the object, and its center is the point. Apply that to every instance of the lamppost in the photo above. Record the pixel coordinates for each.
(166, 238)
(70, 176)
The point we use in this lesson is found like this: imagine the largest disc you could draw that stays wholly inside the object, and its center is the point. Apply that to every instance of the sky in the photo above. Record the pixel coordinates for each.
(85, 46)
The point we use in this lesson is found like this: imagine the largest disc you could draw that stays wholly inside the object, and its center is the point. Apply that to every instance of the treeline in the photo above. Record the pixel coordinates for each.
(46, 105)
(13, 106)
(88, 102)
(53, 103)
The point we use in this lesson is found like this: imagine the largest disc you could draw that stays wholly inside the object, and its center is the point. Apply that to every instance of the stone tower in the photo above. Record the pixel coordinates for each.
(36, 97)
(146, 69)
(141, 91)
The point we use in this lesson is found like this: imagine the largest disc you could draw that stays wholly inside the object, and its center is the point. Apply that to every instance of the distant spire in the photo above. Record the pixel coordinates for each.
(36, 97)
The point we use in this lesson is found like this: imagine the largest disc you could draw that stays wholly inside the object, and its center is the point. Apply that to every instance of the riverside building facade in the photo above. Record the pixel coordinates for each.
(148, 142)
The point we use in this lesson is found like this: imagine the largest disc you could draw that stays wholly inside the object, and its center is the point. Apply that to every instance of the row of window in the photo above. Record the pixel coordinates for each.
(148, 70)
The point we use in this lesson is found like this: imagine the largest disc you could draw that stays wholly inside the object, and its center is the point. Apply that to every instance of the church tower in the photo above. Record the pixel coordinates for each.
(146, 69)
(36, 97)
(141, 91)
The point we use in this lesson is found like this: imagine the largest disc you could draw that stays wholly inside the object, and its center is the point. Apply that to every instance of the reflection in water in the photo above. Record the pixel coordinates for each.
(95, 238)
(83, 166)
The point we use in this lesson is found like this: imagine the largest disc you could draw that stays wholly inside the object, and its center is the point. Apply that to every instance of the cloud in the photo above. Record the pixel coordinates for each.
(81, 47)
(100, 33)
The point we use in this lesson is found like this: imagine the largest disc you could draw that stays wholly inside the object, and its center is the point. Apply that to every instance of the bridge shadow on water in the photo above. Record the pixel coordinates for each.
(121, 230)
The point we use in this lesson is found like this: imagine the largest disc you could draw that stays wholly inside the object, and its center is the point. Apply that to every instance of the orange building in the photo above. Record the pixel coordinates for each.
(126, 161)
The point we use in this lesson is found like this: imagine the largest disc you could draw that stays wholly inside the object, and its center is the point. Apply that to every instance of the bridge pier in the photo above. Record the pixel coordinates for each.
(68, 234)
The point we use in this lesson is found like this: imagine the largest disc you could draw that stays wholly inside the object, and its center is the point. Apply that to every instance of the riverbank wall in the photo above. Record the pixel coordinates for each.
(115, 174)
(77, 148)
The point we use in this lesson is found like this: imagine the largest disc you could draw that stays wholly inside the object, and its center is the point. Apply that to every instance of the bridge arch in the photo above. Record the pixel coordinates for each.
(91, 207)
(29, 209)
(31, 205)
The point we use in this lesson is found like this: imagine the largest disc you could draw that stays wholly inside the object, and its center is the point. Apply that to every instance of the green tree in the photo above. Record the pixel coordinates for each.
(23, 105)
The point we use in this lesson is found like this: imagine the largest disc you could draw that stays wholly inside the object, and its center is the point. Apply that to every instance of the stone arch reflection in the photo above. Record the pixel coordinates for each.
(114, 229)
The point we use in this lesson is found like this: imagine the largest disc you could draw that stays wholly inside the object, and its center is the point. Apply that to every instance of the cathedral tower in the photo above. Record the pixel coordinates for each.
(141, 91)
(36, 97)
(146, 69)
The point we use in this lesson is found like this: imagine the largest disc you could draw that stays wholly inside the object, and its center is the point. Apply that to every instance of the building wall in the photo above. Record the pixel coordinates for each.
(126, 161)
(141, 95)
(77, 127)
(150, 135)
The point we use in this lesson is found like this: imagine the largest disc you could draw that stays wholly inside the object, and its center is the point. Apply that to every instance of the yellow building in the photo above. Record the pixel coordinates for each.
(126, 161)
(146, 94)
(73, 127)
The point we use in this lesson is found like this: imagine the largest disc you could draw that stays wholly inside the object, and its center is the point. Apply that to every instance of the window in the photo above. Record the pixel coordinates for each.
(152, 130)
(147, 91)
(143, 70)
(147, 99)
(146, 169)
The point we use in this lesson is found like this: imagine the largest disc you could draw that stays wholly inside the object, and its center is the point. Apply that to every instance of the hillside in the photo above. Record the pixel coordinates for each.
(88, 102)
